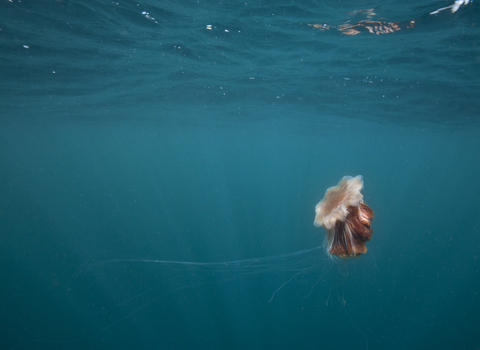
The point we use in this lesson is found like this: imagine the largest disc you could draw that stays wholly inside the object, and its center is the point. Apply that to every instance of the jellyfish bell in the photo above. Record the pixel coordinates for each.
(346, 218)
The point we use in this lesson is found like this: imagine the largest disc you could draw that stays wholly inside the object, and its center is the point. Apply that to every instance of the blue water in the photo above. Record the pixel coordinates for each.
(160, 162)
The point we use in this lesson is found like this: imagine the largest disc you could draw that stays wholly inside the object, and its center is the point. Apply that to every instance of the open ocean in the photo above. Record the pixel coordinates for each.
(160, 163)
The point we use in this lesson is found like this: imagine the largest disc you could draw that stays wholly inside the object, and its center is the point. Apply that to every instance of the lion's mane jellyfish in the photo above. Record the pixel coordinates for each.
(346, 218)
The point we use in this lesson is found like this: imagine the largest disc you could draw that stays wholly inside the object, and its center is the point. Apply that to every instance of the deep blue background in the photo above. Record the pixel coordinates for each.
(160, 163)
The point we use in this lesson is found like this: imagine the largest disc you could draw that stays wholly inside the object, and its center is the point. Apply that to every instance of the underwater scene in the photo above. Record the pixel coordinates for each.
(210, 174)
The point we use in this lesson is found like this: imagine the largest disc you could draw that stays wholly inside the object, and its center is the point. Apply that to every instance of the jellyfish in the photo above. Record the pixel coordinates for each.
(125, 286)
(346, 218)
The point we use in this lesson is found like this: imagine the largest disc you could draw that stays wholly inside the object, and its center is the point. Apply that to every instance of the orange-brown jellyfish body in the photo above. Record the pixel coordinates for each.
(346, 218)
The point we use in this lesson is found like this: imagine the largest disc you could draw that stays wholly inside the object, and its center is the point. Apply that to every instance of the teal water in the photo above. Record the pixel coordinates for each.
(160, 162)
